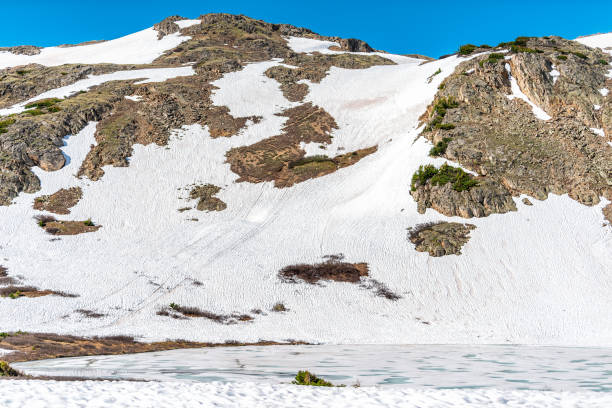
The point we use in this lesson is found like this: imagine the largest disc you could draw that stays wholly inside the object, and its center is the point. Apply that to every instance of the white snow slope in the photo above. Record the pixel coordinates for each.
(541, 275)
(68, 394)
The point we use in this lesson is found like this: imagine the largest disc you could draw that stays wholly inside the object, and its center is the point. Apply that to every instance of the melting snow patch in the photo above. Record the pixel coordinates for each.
(517, 93)
(187, 23)
(134, 98)
(308, 45)
(597, 107)
(138, 48)
(554, 74)
(599, 132)
(604, 91)
(146, 75)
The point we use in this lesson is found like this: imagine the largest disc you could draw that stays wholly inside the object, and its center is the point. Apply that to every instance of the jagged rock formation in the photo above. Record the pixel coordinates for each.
(502, 139)
(440, 238)
(167, 26)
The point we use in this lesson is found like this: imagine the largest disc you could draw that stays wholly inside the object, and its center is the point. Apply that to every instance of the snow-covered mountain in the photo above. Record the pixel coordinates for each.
(228, 179)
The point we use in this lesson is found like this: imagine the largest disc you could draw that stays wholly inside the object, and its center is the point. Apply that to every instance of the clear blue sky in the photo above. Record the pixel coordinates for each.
(424, 27)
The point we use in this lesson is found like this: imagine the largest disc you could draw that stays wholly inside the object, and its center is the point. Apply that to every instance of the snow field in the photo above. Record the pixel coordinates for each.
(520, 279)
(119, 394)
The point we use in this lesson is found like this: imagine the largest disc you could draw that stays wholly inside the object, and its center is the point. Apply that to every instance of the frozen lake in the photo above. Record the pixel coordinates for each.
(418, 366)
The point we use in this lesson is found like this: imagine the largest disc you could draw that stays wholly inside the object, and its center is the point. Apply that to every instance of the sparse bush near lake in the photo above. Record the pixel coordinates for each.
(307, 378)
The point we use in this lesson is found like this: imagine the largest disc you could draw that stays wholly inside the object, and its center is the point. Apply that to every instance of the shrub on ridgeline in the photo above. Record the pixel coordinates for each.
(467, 49)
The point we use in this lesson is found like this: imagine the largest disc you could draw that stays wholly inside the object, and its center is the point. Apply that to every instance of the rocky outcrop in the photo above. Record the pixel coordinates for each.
(22, 83)
(502, 140)
(22, 50)
(167, 26)
(486, 198)
(205, 194)
(354, 45)
(440, 238)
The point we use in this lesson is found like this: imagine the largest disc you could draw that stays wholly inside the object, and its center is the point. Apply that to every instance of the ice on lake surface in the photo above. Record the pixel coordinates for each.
(419, 366)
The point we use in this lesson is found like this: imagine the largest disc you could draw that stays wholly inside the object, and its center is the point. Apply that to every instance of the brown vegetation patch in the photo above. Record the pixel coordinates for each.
(182, 312)
(15, 292)
(329, 270)
(440, 238)
(281, 159)
(90, 313)
(58, 227)
(59, 202)
(39, 346)
(205, 194)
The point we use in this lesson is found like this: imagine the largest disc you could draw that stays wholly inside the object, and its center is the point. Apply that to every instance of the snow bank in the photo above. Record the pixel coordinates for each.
(138, 48)
(146, 75)
(603, 41)
(133, 394)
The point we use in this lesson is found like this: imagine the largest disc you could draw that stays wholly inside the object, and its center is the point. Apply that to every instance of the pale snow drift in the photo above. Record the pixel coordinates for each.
(72, 394)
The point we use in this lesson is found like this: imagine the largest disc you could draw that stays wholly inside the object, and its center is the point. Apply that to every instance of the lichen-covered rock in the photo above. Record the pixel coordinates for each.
(440, 238)
(207, 201)
(486, 198)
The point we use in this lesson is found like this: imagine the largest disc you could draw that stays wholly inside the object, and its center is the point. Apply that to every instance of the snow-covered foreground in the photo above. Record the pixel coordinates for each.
(94, 394)
(522, 278)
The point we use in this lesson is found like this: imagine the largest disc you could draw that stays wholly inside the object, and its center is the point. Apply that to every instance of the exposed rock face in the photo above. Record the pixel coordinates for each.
(440, 238)
(167, 26)
(23, 49)
(354, 45)
(21, 83)
(504, 141)
(486, 198)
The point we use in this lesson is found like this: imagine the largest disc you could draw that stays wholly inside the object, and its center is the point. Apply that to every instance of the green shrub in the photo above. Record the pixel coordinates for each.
(493, 58)
(580, 55)
(34, 112)
(45, 103)
(22, 72)
(561, 57)
(602, 62)
(7, 371)
(521, 41)
(4, 124)
(441, 86)
(89, 222)
(4, 335)
(460, 180)
(485, 46)
(309, 159)
(445, 126)
(440, 148)
(467, 49)
(306, 378)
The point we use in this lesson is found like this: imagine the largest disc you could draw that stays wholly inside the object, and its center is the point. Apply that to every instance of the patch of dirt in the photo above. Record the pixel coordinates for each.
(183, 312)
(58, 227)
(59, 202)
(39, 346)
(440, 238)
(281, 159)
(329, 270)
(205, 194)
